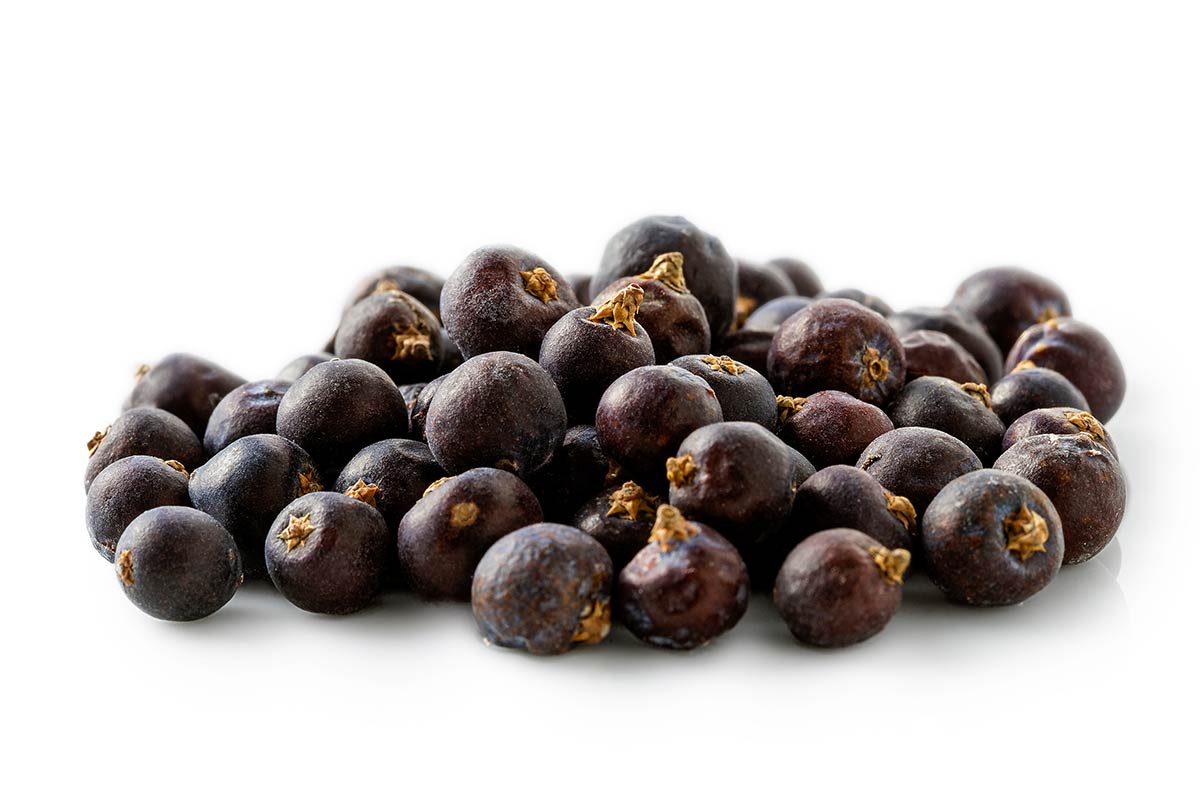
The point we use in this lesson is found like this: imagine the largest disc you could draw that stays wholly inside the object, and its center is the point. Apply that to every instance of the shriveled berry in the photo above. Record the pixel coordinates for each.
(419, 408)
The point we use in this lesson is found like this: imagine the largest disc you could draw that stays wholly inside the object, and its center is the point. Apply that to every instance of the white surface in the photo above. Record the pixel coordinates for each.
(215, 179)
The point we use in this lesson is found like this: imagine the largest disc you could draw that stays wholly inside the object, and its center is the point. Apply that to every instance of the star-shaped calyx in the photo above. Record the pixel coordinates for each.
(297, 531)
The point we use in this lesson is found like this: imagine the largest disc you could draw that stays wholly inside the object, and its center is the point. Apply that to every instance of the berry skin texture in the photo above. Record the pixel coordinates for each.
(143, 432)
(1029, 388)
(830, 427)
(837, 344)
(245, 485)
(443, 536)
(646, 414)
(498, 410)
(1064, 421)
(934, 353)
(185, 385)
(302, 364)
(126, 489)
(1084, 482)
(917, 463)
(744, 394)
(395, 332)
(710, 273)
(399, 469)
(1082, 354)
(839, 587)
(963, 410)
(686, 587)
(543, 588)
(1007, 300)
(620, 518)
(674, 318)
(249, 409)
(327, 553)
(338, 408)
(964, 329)
(577, 470)
(504, 298)
(422, 285)
(177, 564)
(991, 538)
(844, 497)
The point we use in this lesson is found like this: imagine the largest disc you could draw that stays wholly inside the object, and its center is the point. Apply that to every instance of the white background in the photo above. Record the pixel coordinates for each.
(214, 177)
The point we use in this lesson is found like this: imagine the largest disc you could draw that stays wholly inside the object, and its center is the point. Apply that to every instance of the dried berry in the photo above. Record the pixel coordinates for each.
(830, 427)
(577, 470)
(444, 535)
(1064, 421)
(737, 477)
(249, 409)
(839, 587)
(245, 485)
(185, 385)
(645, 415)
(757, 284)
(298, 366)
(1028, 388)
(671, 314)
(744, 394)
(959, 326)
(497, 410)
(393, 331)
(177, 564)
(1082, 354)
(804, 280)
(933, 353)
(125, 489)
(837, 344)
(685, 588)
(620, 519)
(991, 538)
(327, 553)
(338, 408)
(1084, 482)
(400, 470)
(1007, 300)
(419, 408)
(590, 347)
(862, 298)
(143, 432)
(421, 284)
(543, 588)
(842, 496)
(963, 410)
(709, 271)
(917, 463)
(503, 298)
(771, 314)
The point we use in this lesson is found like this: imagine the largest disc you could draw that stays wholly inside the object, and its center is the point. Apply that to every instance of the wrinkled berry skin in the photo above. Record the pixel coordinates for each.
(965, 547)
(804, 280)
(833, 428)
(687, 595)
(830, 591)
(837, 344)
(917, 463)
(443, 536)
(338, 408)
(485, 306)
(124, 490)
(177, 564)
(1083, 480)
(1031, 388)
(1082, 354)
(934, 353)
(421, 284)
(942, 404)
(185, 385)
(401, 468)
(745, 396)
(749, 347)
(249, 409)
(419, 408)
(675, 320)
(577, 470)
(1064, 421)
(959, 326)
(369, 331)
(758, 284)
(622, 536)
(708, 270)
(859, 296)
(645, 415)
(771, 314)
(245, 485)
(497, 410)
(533, 588)
(339, 567)
(741, 480)
(584, 357)
(302, 364)
(145, 432)
(842, 496)
(1007, 300)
